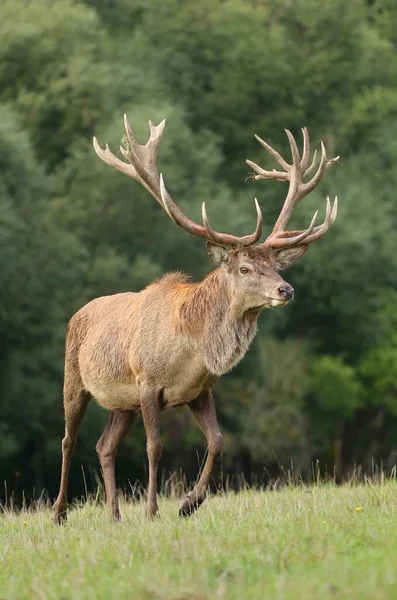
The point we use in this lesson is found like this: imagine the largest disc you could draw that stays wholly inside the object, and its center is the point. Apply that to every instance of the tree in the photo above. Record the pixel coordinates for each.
(335, 394)
(42, 273)
(260, 67)
(53, 72)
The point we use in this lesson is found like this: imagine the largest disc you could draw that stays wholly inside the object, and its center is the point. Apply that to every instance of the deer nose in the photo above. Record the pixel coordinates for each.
(286, 291)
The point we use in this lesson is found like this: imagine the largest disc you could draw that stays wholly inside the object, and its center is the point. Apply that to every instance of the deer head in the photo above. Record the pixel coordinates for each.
(251, 270)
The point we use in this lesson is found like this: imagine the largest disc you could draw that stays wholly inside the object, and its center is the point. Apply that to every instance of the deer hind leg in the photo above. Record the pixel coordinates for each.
(76, 401)
(203, 409)
(117, 428)
(150, 407)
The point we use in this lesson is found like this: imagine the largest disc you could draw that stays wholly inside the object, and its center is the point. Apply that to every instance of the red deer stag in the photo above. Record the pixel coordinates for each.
(167, 345)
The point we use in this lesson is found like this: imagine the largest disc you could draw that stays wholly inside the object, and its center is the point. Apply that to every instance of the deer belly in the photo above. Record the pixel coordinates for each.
(108, 377)
(187, 389)
(115, 395)
(179, 395)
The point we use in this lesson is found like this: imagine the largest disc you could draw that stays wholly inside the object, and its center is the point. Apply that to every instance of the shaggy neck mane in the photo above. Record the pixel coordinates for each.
(206, 311)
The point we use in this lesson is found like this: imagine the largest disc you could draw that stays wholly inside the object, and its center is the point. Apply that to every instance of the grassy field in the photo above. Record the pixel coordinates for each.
(299, 543)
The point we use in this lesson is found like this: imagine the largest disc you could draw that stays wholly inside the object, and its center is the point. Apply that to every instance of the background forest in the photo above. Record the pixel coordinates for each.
(320, 382)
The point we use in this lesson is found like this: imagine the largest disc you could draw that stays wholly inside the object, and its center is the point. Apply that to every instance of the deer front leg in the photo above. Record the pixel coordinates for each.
(150, 407)
(203, 409)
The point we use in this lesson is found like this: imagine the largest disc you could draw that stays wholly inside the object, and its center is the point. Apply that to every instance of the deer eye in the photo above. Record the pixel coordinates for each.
(244, 270)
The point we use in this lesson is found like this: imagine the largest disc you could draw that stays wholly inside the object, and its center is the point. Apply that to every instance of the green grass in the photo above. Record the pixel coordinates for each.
(299, 543)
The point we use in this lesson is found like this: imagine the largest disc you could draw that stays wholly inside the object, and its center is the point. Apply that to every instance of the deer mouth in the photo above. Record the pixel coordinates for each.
(270, 303)
(277, 302)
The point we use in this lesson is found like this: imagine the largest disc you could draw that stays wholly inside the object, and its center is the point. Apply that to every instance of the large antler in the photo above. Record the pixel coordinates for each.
(141, 166)
(295, 174)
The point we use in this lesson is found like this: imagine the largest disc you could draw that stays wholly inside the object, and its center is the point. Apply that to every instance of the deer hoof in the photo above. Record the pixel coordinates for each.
(60, 518)
(152, 512)
(190, 505)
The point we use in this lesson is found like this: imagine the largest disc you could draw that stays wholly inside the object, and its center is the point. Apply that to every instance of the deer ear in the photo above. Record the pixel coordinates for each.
(218, 254)
(286, 257)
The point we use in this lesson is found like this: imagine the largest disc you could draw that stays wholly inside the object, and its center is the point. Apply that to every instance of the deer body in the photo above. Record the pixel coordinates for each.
(177, 335)
(167, 345)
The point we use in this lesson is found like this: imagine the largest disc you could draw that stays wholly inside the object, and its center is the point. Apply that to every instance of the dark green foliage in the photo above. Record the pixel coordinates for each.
(53, 71)
(320, 380)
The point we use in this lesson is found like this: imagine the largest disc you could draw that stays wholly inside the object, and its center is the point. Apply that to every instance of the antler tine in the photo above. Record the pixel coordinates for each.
(141, 164)
(310, 169)
(330, 217)
(294, 149)
(284, 240)
(109, 158)
(310, 185)
(262, 174)
(247, 240)
(323, 166)
(274, 153)
(144, 157)
(331, 161)
(128, 131)
(306, 149)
